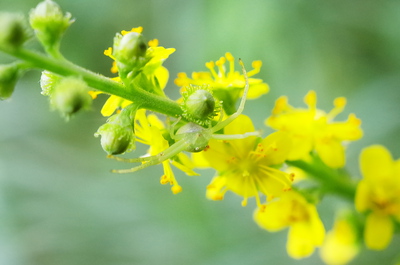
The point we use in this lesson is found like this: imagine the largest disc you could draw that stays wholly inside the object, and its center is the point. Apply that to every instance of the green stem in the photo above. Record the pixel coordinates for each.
(332, 180)
(141, 97)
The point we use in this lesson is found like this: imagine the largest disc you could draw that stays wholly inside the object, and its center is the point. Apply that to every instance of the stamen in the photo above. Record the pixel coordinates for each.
(339, 104)
(281, 104)
(311, 99)
(153, 43)
(269, 172)
(114, 68)
(210, 65)
(257, 66)
(244, 202)
(221, 66)
(137, 30)
(231, 61)
(108, 52)
(176, 189)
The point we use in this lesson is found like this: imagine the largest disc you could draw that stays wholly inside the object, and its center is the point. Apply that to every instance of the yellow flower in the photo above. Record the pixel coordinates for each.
(313, 129)
(227, 84)
(341, 244)
(379, 193)
(152, 77)
(246, 166)
(149, 130)
(292, 210)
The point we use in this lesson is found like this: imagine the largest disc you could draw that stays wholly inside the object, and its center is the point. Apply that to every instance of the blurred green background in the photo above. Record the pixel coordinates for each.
(59, 203)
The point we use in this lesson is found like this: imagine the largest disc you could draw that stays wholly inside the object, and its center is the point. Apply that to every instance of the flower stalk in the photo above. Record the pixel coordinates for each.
(65, 68)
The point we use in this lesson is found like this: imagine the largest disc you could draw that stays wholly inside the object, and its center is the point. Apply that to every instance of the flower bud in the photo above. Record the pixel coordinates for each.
(12, 31)
(48, 81)
(129, 48)
(8, 78)
(70, 95)
(117, 136)
(195, 136)
(49, 22)
(200, 104)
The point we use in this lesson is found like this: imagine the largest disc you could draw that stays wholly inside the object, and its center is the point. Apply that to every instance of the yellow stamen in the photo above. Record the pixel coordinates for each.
(108, 52)
(231, 60)
(311, 99)
(210, 65)
(221, 67)
(137, 30)
(244, 202)
(257, 66)
(114, 68)
(281, 104)
(339, 104)
(153, 43)
(176, 189)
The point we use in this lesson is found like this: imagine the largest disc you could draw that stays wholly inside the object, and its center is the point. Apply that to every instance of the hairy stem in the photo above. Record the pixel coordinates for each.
(63, 67)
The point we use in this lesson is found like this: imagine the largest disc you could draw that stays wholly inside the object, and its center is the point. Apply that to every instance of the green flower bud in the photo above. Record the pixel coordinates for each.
(199, 105)
(195, 136)
(13, 31)
(117, 135)
(9, 75)
(129, 48)
(48, 81)
(49, 22)
(69, 96)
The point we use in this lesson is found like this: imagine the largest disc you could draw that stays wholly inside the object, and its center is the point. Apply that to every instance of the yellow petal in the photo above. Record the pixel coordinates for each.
(363, 195)
(341, 245)
(331, 153)
(162, 75)
(257, 90)
(240, 125)
(299, 243)
(215, 188)
(378, 231)
(111, 105)
(271, 217)
(301, 149)
(218, 155)
(376, 164)
(276, 148)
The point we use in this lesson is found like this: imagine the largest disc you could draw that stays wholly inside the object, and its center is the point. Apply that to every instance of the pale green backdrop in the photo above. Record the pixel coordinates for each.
(59, 203)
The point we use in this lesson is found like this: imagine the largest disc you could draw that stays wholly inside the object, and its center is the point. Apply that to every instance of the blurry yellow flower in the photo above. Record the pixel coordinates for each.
(293, 211)
(152, 77)
(227, 84)
(149, 130)
(379, 193)
(246, 166)
(313, 129)
(341, 244)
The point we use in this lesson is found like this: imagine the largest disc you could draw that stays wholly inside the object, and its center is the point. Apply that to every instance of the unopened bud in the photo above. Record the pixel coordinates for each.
(8, 78)
(200, 104)
(129, 48)
(49, 22)
(70, 95)
(48, 81)
(117, 135)
(13, 31)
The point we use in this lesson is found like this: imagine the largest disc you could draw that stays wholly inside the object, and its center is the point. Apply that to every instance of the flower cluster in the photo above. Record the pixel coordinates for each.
(286, 173)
